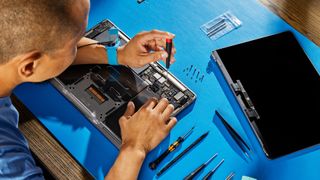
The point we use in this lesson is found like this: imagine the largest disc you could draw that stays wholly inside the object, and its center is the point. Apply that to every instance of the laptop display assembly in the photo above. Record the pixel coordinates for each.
(101, 92)
(278, 90)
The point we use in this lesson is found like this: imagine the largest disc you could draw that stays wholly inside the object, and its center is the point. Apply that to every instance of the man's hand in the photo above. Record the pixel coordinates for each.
(145, 129)
(141, 132)
(144, 48)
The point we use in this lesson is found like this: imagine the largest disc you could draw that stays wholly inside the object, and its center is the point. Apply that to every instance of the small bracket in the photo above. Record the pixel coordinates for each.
(249, 109)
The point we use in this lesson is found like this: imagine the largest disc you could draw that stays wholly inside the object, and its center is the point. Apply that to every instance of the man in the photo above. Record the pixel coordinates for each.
(39, 40)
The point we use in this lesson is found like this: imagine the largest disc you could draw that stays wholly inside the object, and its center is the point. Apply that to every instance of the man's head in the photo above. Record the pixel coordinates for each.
(38, 37)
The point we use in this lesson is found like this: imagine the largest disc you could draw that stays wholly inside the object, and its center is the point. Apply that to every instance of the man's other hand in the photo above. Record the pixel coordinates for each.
(146, 128)
(144, 48)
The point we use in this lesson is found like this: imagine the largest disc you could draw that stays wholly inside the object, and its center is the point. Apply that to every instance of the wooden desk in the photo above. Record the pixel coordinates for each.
(54, 159)
(303, 15)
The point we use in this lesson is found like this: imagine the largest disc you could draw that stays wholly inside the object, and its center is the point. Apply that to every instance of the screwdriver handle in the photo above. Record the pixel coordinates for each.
(191, 146)
(168, 50)
(153, 165)
(194, 173)
(206, 177)
(210, 173)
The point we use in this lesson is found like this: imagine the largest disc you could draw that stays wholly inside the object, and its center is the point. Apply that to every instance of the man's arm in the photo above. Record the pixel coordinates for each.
(93, 54)
(144, 48)
(127, 164)
(141, 132)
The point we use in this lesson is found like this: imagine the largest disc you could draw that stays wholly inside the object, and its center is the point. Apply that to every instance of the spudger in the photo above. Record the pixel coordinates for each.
(153, 165)
(210, 173)
(200, 168)
(183, 153)
(235, 135)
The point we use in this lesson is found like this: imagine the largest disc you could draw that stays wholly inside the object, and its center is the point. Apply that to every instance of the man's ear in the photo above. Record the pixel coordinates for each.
(28, 63)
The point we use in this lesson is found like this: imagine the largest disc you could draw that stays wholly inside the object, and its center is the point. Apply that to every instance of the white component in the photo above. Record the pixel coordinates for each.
(162, 80)
(149, 82)
(174, 81)
(157, 75)
(178, 96)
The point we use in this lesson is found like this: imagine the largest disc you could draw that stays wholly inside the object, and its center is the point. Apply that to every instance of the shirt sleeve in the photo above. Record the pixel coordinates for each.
(16, 161)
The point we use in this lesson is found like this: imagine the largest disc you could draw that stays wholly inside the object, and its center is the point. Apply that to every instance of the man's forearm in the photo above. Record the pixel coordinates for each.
(93, 54)
(127, 165)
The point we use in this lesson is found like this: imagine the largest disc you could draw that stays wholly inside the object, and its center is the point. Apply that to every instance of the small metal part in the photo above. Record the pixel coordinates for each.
(183, 100)
(178, 96)
(230, 176)
(220, 28)
(174, 81)
(191, 68)
(148, 81)
(162, 80)
(188, 133)
(216, 25)
(215, 155)
(157, 76)
(201, 79)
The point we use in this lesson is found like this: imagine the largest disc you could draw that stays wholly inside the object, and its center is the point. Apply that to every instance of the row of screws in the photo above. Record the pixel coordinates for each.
(188, 71)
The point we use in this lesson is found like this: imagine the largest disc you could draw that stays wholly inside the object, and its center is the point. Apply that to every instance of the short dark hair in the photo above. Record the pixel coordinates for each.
(27, 25)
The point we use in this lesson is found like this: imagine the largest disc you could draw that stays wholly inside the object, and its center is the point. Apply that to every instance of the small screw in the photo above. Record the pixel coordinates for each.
(202, 78)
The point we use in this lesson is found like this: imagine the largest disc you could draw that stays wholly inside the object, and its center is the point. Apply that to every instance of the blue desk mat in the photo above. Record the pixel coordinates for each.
(183, 18)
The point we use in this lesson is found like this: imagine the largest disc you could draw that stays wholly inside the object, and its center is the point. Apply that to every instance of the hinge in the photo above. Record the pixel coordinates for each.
(249, 109)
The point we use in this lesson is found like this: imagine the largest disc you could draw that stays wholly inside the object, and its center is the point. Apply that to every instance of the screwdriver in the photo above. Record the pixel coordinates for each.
(184, 152)
(169, 51)
(210, 173)
(153, 165)
(200, 168)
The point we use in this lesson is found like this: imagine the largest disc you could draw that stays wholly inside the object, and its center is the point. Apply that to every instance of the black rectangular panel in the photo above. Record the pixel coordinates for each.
(284, 88)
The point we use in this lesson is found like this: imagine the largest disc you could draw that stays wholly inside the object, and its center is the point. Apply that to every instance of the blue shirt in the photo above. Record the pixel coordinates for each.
(16, 161)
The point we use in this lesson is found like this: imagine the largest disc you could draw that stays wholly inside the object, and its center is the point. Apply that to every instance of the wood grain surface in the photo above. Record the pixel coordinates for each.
(55, 159)
(303, 15)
